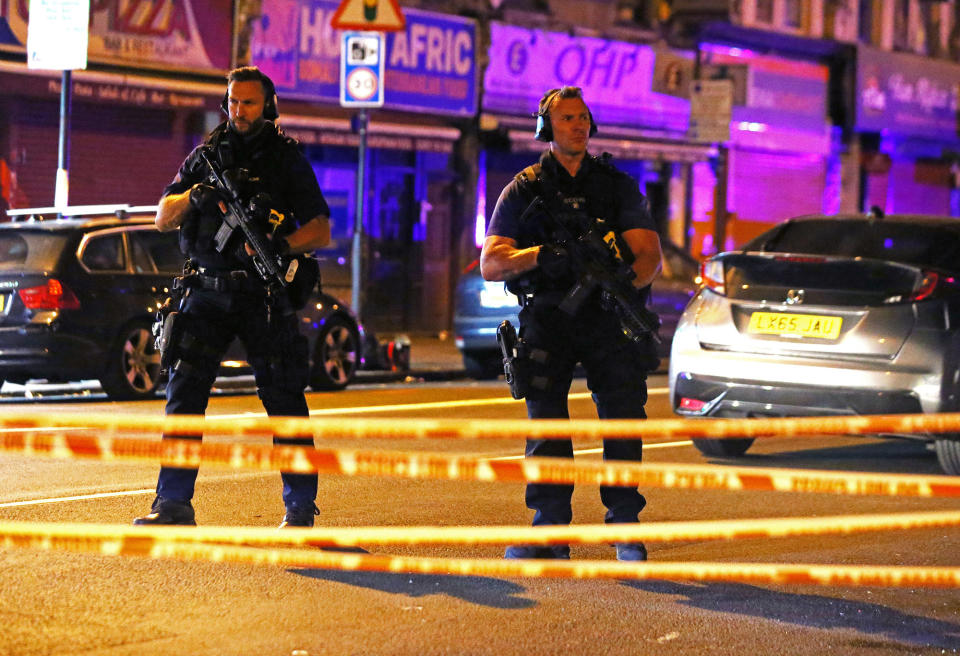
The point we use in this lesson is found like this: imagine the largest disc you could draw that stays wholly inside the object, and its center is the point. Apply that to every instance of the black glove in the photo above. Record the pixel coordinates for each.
(553, 260)
(204, 198)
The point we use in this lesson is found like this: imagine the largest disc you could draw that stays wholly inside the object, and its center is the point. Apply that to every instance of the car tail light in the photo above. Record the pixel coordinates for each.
(692, 405)
(925, 287)
(52, 296)
(711, 275)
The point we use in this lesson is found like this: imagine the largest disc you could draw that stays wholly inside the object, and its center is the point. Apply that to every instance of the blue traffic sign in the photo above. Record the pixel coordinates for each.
(361, 69)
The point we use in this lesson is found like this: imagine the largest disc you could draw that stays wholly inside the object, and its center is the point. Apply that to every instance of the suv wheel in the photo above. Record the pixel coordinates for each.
(336, 355)
(133, 364)
(948, 453)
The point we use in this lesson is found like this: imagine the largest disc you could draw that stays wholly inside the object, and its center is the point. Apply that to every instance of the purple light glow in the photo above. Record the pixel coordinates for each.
(480, 225)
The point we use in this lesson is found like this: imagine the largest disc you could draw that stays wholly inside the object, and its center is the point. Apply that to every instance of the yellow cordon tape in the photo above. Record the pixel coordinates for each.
(397, 428)
(810, 574)
(422, 465)
(725, 529)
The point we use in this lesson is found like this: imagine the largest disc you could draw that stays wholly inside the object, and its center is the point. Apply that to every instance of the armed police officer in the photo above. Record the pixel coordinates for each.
(247, 163)
(541, 216)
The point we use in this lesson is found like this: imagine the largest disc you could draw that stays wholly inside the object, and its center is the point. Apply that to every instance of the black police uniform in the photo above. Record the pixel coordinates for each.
(228, 299)
(616, 367)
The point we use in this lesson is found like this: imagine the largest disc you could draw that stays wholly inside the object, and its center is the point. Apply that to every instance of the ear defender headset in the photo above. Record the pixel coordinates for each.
(544, 130)
(270, 111)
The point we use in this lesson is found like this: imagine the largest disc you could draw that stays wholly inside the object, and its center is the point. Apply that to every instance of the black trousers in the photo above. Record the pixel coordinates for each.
(278, 355)
(616, 371)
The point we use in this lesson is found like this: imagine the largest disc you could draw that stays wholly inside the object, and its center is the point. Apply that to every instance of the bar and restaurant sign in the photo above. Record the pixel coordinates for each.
(430, 66)
(188, 35)
(907, 94)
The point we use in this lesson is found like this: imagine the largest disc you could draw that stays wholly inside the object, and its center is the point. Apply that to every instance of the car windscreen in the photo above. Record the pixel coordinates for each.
(30, 251)
(918, 244)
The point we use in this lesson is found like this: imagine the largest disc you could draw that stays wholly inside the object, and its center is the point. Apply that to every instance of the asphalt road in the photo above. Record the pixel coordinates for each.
(63, 603)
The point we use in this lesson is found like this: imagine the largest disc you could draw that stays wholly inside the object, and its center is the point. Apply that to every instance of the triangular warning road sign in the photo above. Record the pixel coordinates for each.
(372, 15)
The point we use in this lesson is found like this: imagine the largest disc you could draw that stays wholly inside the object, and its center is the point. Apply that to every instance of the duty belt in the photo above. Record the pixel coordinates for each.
(220, 281)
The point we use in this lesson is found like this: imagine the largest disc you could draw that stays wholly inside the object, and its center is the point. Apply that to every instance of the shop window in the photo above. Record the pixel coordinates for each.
(901, 25)
(793, 14)
(865, 24)
(764, 12)
(931, 44)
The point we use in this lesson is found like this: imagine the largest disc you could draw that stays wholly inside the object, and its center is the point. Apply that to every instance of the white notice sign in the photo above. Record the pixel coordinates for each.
(57, 34)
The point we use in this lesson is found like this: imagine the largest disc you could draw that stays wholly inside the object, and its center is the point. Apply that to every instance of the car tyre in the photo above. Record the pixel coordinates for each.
(133, 364)
(723, 448)
(482, 365)
(948, 454)
(336, 356)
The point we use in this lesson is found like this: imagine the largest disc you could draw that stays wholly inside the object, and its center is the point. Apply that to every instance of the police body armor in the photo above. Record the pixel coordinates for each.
(600, 200)
(255, 165)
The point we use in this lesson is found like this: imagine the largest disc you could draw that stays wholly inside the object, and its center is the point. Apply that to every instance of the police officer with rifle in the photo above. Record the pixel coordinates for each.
(573, 238)
(250, 213)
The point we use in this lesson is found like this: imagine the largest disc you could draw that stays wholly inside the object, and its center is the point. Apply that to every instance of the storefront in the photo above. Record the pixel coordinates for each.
(415, 170)
(128, 131)
(906, 117)
(644, 130)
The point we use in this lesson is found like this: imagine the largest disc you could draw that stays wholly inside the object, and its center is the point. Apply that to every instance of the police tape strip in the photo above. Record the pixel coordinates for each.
(724, 529)
(445, 466)
(754, 573)
(425, 428)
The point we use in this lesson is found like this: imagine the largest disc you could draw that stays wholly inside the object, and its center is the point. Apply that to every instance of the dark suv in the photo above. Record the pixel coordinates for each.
(79, 289)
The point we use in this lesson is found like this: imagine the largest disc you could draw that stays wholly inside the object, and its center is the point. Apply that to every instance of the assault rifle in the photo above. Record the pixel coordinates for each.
(271, 266)
(594, 261)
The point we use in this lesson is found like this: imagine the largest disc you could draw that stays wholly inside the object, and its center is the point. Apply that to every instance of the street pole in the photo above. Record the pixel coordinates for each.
(357, 252)
(62, 189)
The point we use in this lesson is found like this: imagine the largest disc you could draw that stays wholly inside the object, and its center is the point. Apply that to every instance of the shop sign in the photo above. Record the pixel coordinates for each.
(162, 34)
(906, 94)
(57, 36)
(616, 77)
(102, 92)
(778, 91)
(429, 67)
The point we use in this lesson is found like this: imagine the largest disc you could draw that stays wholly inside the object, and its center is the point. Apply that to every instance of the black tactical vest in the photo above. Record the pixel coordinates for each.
(262, 158)
(596, 195)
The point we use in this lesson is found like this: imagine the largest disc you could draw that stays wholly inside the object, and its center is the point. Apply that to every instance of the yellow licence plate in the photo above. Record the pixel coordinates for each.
(795, 325)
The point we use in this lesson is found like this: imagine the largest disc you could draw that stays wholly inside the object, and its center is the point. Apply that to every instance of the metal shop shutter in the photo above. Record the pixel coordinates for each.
(767, 187)
(117, 154)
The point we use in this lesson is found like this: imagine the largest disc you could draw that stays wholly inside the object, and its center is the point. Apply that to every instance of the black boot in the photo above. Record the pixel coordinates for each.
(300, 515)
(168, 511)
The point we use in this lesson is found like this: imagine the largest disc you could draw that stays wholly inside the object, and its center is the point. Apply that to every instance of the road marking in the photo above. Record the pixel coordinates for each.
(79, 497)
(659, 445)
(430, 405)
(121, 493)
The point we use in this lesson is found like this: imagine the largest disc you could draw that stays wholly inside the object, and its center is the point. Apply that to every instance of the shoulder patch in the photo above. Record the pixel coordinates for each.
(529, 174)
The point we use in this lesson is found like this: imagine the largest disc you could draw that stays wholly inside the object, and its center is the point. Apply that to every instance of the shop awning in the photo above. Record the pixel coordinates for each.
(316, 130)
(113, 88)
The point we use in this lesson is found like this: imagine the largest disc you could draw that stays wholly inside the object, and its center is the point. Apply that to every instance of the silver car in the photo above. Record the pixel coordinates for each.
(826, 315)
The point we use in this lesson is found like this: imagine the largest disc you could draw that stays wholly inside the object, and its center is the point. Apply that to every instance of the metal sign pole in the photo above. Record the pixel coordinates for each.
(357, 253)
(61, 193)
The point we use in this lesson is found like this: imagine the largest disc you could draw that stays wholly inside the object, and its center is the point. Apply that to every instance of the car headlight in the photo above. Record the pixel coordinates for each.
(495, 295)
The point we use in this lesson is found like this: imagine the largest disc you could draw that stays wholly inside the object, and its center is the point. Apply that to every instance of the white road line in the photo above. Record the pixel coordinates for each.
(124, 493)
(411, 407)
(79, 497)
